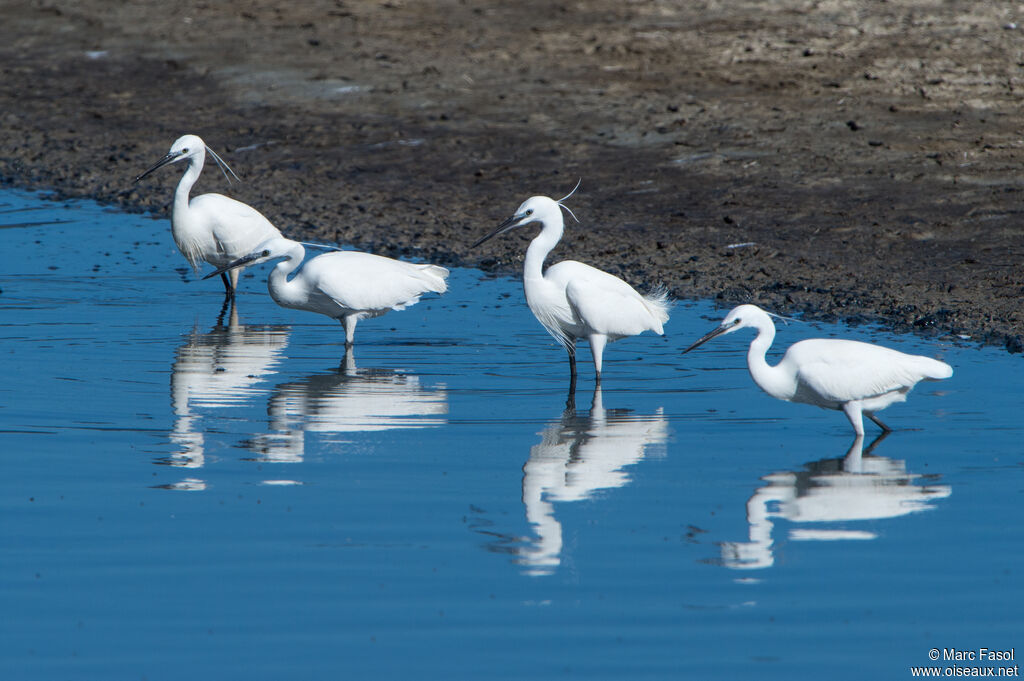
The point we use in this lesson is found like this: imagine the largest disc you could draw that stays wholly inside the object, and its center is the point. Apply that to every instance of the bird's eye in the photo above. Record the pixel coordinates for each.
(529, 211)
(185, 150)
(266, 253)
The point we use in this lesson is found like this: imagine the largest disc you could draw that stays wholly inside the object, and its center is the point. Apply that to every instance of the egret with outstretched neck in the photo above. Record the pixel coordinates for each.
(210, 228)
(573, 300)
(344, 285)
(849, 376)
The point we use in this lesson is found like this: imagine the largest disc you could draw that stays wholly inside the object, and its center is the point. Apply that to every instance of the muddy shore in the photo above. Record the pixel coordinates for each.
(841, 159)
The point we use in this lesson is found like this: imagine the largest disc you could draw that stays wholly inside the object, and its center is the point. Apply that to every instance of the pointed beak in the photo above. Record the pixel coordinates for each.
(708, 336)
(169, 158)
(511, 223)
(245, 260)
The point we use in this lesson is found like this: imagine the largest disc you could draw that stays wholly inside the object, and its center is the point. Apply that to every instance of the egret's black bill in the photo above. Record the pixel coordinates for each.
(159, 164)
(717, 332)
(500, 229)
(232, 265)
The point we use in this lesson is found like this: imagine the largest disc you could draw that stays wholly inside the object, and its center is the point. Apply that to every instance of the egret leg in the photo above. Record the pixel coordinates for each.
(234, 278)
(571, 348)
(349, 324)
(229, 290)
(853, 412)
(597, 342)
(878, 422)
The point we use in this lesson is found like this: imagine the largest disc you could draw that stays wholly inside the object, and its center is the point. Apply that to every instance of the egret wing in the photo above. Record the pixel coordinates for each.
(608, 305)
(842, 370)
(237, 228)
(372, 283)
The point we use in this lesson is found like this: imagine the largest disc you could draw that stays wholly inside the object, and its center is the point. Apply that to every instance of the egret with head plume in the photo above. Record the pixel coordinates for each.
(573, 300)
(210, 228)
(344, 285)
(850, 376)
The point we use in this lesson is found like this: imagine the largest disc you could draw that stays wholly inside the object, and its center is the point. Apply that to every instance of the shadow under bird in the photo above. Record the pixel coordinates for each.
(849, 376)
(573, 300)
(210, 228)
(344, 285)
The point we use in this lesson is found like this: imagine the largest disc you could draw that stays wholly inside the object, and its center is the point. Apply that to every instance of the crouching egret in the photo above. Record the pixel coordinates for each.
(210, 228)
(856, 378)
(344, 285)
(573, 300)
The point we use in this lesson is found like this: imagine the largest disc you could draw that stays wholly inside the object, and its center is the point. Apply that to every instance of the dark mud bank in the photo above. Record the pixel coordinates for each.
(853, 164)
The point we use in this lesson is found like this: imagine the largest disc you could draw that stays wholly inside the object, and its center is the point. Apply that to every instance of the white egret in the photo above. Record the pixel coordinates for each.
(210, 228)
(344, 285)
(849, 376)
(573, 300)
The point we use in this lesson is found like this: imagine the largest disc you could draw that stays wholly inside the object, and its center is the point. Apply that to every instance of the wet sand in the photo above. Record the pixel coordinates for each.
(846, 160)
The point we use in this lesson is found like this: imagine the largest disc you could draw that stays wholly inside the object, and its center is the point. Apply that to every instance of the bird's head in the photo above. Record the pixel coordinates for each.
(186, 148)
(273, 248)
(743, 316)
(534, 209)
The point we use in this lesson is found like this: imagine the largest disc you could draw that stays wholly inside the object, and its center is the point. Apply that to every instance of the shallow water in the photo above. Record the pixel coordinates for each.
(191, 492)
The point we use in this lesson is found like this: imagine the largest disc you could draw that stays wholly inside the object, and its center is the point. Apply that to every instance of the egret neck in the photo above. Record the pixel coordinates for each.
(284, 292)
(771, 379)
(552, 226)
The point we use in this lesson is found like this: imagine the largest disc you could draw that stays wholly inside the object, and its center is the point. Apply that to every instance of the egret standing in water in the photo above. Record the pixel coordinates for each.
(856, 378)
(572, 300)
(344, 285)
(211, 228)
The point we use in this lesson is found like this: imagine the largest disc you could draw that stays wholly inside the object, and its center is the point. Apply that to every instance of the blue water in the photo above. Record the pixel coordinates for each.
(191, 492)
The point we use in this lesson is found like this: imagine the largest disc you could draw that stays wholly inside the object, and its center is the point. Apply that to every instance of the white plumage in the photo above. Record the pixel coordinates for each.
(210, 228)
(344, 285)
(573, 300)
(853, 377)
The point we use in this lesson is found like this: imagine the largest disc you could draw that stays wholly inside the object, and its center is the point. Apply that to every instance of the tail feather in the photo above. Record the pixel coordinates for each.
(659, 302)
(435, 276)
(934, 369)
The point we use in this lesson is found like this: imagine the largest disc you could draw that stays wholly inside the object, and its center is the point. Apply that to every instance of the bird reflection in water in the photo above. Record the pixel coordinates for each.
(578, 456)
(348, 400)
(855, 488)
(217, 369)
